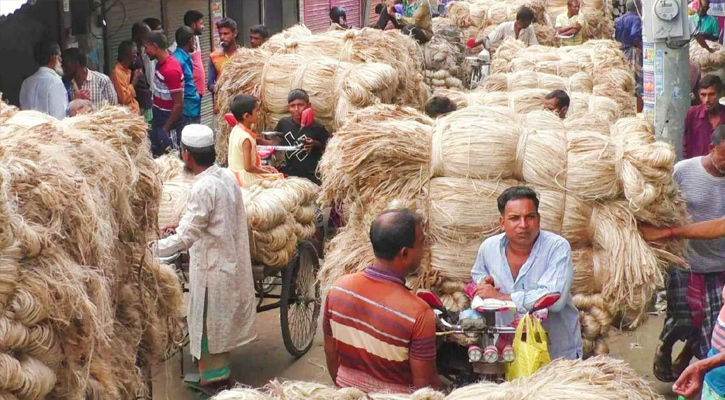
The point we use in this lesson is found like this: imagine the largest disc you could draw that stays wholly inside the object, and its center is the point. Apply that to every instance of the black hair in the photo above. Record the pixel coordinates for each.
(379, 8)
(562, 99)
(44, 50)
(138, 30)
(242, 104)
(297, 94)
(125, 48)
(389, 235)
(718, 135)
(710, 81)
(227, 23)
(184, 35)
(192, 16)
(515, 193)
(260, 30)
(203, 156)
(153, 23)
(75, 55)
(336, 13)
(439, 105)
(158, 38)
(525, 14)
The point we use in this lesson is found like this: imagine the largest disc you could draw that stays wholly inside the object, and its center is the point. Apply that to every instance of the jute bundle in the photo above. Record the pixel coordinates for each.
(6, 110)
(79, 199)
(366, 45)
(465, 14)
(597, 378)
(579, 82)
(303, 195)
(708, 62)
(381, 154)
(546, 35)
(336, 88)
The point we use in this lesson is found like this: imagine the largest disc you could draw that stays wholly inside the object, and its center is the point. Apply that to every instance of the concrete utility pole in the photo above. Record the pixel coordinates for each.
(665, 47)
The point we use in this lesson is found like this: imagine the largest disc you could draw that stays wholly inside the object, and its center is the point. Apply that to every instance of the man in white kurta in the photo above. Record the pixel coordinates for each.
(214, 229)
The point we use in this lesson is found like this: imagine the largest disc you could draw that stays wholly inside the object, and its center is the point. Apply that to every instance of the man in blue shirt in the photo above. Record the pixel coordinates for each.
(192, 100)
(527, 263)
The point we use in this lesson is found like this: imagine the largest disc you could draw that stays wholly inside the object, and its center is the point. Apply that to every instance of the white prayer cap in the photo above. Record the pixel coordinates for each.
(197, 136)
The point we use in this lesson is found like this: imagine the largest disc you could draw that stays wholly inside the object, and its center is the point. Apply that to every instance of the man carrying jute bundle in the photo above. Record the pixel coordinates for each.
(214, 229)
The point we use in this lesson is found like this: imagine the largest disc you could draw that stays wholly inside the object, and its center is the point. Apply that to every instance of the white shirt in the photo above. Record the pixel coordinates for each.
(214, 229)
(507, 30)
(44, 91)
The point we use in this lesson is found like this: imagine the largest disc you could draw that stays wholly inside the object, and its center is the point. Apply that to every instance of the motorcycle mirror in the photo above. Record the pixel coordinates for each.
(429, 297)
(546, 301)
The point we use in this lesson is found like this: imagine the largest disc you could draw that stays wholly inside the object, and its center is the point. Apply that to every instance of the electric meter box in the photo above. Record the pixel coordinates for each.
(665, 19)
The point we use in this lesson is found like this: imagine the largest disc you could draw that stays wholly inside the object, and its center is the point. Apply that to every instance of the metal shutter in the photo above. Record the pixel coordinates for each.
(352, 11)
(317, 15)
(173, 20)
(121, 15)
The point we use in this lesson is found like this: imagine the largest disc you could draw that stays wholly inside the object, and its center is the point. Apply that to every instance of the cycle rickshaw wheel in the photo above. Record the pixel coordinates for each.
(300, 300)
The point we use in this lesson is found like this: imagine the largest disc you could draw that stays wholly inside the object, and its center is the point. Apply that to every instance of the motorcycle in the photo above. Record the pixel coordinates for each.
(471, 347)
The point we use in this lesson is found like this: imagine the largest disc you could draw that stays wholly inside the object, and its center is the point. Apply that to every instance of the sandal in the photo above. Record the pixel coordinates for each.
(662, 367)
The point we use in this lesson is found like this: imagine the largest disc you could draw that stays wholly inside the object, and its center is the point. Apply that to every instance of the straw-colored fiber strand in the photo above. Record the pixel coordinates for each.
(579, 82)
(73, 242)
(597, 378)
(336, 88)
(381, 154)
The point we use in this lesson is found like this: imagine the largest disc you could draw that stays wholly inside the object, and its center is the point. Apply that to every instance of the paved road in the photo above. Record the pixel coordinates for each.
(267, 359)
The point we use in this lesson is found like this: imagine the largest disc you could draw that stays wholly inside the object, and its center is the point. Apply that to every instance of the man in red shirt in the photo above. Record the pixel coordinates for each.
(168, 95)
(379, 337)
(701, 120)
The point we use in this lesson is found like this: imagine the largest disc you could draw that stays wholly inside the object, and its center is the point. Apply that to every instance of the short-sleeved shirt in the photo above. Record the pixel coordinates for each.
(192, 100)
(168, 79)
(299, 163)
(100, 88)
(378, 326)
(705, 198)
(707, 24)
(563, 21)
(698, 131)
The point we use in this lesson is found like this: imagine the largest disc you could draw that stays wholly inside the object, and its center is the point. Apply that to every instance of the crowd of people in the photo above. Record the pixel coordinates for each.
(164, 82)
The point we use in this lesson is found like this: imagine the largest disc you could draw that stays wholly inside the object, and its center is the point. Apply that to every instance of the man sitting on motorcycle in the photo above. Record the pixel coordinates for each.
(379, 337)
(527, 263)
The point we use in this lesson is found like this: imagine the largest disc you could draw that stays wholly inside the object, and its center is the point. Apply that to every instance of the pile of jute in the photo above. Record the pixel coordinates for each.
(443, 56)
(279, 213)
(87, 308)
(598, 378)
(595, 182)
(366, 45)
(525, 101)
(710, 63)
(597, 14)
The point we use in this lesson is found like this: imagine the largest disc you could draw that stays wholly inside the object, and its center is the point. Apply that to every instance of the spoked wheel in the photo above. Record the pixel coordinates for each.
(300, 302)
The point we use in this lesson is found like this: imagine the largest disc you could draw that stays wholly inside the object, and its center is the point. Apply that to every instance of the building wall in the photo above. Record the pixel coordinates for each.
(20, 31)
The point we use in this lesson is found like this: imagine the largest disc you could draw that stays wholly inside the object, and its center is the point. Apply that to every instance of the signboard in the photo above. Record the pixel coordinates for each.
(217, 13)
(651, 83)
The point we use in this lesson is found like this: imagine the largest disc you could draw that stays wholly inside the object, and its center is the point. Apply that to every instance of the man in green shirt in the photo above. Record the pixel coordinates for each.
(703, 26)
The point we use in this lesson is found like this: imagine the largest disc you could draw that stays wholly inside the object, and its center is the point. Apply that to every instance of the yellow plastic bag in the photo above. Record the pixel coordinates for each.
(530, 353)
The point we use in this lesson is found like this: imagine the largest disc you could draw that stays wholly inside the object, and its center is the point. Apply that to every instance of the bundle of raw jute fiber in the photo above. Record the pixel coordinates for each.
(527, 100)
(467, 14)
(6, 110)
(175, 191)
(597, 378)
(579, 82)
(304, 201)
(90, 306)
(335, 88)
(708, 62)
(381, 154)
(366, 45)
(441, 59)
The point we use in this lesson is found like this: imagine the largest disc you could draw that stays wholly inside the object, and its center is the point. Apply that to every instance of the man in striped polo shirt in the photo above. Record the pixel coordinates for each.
(379, 337)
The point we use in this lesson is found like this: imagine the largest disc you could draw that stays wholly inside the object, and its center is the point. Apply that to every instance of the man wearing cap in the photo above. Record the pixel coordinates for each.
(214, 229)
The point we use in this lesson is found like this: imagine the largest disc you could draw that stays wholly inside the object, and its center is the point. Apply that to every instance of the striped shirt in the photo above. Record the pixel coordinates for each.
(168, 79)
(378, 326)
